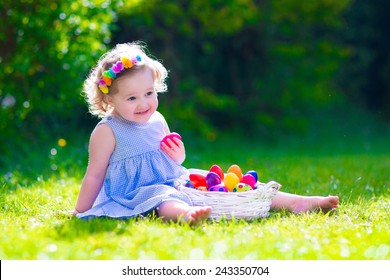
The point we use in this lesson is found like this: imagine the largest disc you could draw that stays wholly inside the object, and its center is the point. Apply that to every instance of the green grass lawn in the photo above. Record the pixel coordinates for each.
(35, 195)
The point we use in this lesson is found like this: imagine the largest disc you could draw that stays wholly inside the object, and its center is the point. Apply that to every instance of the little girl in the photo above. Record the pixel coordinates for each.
(130, 171)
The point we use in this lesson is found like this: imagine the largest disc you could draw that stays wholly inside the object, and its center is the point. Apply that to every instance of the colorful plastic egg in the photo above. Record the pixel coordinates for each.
(254, 174)
(171, 136)
(212, 179)
(249, 180)
(236, 170)
(188, 184)
(242, 187)
(216, 169)
(198, 180)
(230, 181)
(218, 188)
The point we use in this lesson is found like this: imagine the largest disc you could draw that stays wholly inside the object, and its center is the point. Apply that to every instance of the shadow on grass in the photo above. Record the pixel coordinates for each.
(72, 227)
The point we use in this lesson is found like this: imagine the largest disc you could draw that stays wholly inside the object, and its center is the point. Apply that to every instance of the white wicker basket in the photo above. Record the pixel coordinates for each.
(238, 205)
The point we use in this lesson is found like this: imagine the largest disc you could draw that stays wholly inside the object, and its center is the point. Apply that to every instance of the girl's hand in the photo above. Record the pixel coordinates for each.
(176, 152)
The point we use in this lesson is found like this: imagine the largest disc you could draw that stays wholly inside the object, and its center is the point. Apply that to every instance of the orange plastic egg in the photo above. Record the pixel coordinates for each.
(236, 170)
(230, 181)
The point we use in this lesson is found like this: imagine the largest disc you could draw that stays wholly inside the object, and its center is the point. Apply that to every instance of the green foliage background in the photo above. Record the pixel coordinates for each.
(243, 62)
(46, 51)
(244, 74)
(264, 65)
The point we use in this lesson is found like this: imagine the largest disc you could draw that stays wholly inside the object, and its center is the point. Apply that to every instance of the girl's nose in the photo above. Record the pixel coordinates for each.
(142, 102)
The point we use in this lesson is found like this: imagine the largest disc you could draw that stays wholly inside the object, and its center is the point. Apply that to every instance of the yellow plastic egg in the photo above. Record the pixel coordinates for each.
(230, 181)
(236, 170)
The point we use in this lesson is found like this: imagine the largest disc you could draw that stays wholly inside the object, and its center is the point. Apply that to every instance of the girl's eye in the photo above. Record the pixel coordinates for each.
(132, 98)
(149, 93)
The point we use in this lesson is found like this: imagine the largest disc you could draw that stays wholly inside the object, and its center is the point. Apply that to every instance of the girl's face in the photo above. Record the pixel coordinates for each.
(135, 99)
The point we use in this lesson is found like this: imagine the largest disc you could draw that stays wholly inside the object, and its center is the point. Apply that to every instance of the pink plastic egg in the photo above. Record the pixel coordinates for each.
(216, 169)
(254, 174)
(171, 136)
(249, 180)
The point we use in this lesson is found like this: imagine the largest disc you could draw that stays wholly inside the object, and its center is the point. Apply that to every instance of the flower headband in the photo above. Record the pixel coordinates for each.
(109, 75)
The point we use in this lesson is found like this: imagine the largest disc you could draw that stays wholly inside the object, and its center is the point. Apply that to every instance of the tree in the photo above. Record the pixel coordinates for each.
(47, 49)
(365, 76)
(239, 64)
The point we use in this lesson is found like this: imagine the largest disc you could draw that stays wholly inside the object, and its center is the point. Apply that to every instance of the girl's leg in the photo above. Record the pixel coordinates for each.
(179, 211)
(300, 204)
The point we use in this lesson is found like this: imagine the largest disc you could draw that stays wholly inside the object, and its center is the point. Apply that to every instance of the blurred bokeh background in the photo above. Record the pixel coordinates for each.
(264, 69)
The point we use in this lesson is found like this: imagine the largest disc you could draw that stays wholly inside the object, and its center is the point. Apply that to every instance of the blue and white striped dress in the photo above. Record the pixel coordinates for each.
(140, 176)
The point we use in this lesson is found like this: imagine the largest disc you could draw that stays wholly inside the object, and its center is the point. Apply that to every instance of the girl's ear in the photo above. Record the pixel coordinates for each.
(108, 100)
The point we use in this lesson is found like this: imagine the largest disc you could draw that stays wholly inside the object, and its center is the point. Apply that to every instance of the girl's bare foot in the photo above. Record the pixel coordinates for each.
(180, 212)
(315, 203)
(197, 214)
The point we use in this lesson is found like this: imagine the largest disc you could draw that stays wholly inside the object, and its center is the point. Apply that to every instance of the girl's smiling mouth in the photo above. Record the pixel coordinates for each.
(142, 112)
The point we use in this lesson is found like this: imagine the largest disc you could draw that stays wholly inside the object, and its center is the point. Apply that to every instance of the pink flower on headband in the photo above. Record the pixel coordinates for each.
(117, 67)
(135, 59)
(109, 75)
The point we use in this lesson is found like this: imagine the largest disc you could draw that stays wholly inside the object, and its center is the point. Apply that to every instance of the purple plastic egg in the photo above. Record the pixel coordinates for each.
(218, 188)
(212, 179)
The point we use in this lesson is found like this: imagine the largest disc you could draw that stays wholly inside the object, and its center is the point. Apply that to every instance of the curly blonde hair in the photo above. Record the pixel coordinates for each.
(95, 97)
